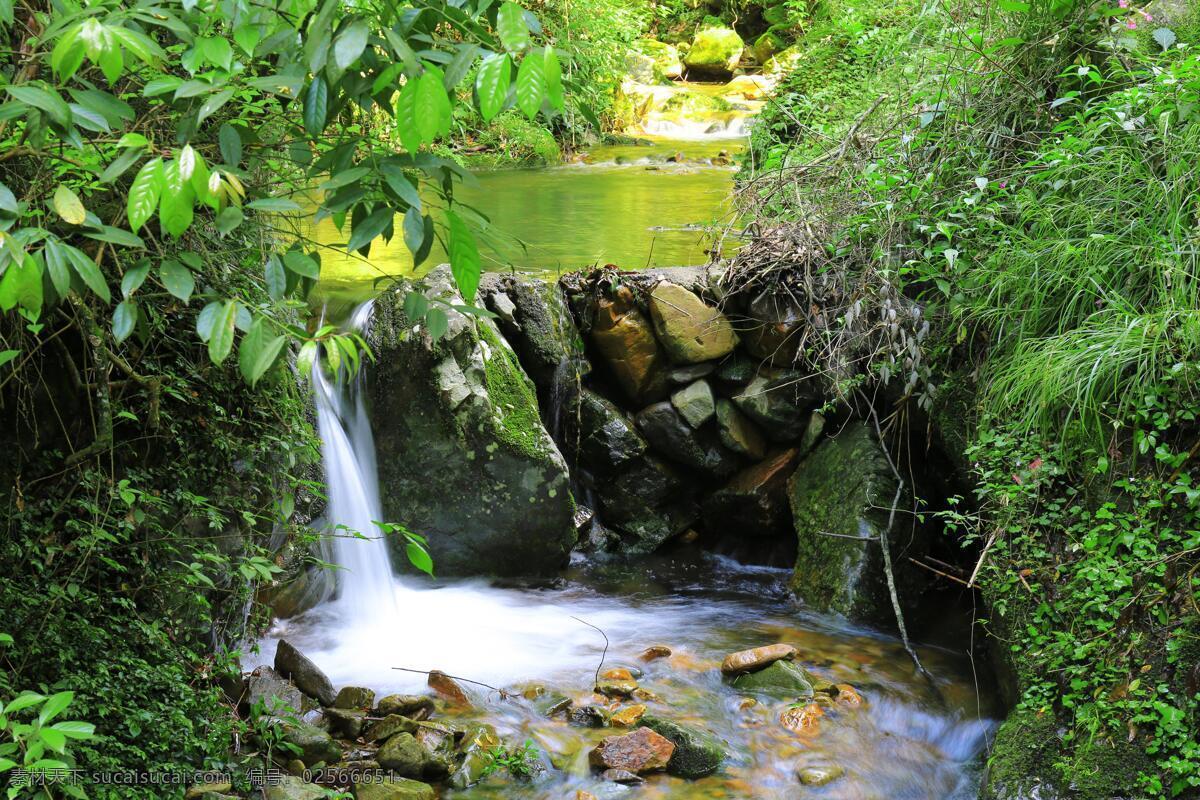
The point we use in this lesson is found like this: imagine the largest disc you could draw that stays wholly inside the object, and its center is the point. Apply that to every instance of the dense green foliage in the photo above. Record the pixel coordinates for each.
(1034, 191)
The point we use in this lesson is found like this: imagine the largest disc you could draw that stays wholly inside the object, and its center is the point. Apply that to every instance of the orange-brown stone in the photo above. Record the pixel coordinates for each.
(625, 339)
(445, 686)
(641, 751)
(802, 720)
(655, 651)
(756, 658)
(628, 717)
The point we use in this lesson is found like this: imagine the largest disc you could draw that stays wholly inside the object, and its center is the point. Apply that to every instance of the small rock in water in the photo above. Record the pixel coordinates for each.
(848, 696)
(445, 686)
(756, 658)
(639, 752)
(622, 776)
(552, 703)
(346, 723)
(308, 677)
(697, 752)
(416, 706)
(590, 716)
(617, 687)
(617, 674)
(782, 679)
(656, 651)
(354, 697)
(803, 720)
(582, 795)
(819, 776)
(628, 717)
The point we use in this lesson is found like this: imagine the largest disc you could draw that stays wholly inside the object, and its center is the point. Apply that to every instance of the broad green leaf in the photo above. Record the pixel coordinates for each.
(213, 104)
(414, 230)
(273, 204)
(124, 319)
(247, 37)
(5, 357)
(114, 110)
(510, 25)
(56, 264)
(88, 272)
(350, 43)
(128, 157)
(491, 84)
(107, 233)
(134, 277)
(177, 279)
(44, 100)
(144, 193)
(302, 264)
(437, 323)
(68, 53)
(74, 729)
(464, 257)
(276, 278)
(220, 340)
(419, 558)
(401, 185)
(306, 358)
(552, 72)
(258, 351)
(54, 706)
(69, 206)
(229, 219)
(1165, 37)
(369, 227)
(206, 319)
(459, 66)
(531, 84)
(406, 117)
(231, 145)
(316, 100)
(23, 701)
(176, 206)
(432, 106)
(21, 286)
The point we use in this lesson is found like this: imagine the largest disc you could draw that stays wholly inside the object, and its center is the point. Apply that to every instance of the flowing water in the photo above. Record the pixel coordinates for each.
(907, 739)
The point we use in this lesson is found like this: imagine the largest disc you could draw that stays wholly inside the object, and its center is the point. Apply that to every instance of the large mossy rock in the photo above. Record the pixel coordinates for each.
(534, 318)
(714, 50)
(666, 63)
(392, 788)
(697, 752)
(844, 488)
(782, 679)
(463, 456)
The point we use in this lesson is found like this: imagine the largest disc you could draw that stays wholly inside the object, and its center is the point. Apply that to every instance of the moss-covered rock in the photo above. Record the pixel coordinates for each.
(784, 61)
(697, 752)
(844, 488)
(767, 45)
(392, 788)
(714, 50)
(666, 63)
(782, 679)
(463, 456)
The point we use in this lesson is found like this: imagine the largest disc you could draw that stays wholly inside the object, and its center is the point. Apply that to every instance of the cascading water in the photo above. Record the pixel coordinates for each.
(365, 582)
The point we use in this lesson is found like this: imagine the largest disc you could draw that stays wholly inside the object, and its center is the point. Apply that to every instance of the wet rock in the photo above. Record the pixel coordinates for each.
(690, 330)
(607, 437)
(346, 723)
(622, 776)
(548, 705)
(354, 697)
(308, 677)
(582, 795)
(846, 487)
(640, 752)
(616, 687)
(289, 787)
(734, 373)
(628, 717)
(666, 431)
(648, 501)
(625, 339)
(784, 62)
(664, 57)
(448, 689)
(403, 755)
(296, 767)
(714, 51)
(848, 696)
(269, 692)
(655, 651)
(695, 403)
(820, 775)
(463, 409)
(392, 788)
(536, 321)
(388, 727)
(682, 376)
(803, 720)
(780, 401)
(438, 741)
(737, 432)
(697, 752)
(755, 501)
(474, 749)
(776, 329)
(316, 746)
(781, 679)
(589, 716)
(408, 705)
(756, 658)
(197, 790)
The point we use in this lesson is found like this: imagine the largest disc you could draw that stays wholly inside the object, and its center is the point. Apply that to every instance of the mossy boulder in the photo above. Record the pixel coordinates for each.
(767, 45)
(697, 752)
(664, 57)
(392, 788)
(316, 745)
(403, 755)
(714, 50)
(845, 487)
(289, 787)
(463, 456)
(782, 679)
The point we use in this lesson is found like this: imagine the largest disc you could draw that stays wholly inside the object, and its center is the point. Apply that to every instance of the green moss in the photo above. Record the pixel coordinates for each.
(513, 399)
(1024, 749)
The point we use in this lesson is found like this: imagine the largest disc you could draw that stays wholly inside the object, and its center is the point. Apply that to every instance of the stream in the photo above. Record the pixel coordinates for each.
(632, 206)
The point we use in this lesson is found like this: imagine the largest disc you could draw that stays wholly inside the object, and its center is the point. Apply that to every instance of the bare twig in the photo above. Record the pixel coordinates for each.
(503, 694)
(604, 654)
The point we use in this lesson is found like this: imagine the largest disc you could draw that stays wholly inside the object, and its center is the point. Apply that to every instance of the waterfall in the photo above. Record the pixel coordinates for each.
(365, 582)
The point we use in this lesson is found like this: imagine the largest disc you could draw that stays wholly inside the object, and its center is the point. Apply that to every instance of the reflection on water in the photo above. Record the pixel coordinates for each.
(636, 206)
(902, 742)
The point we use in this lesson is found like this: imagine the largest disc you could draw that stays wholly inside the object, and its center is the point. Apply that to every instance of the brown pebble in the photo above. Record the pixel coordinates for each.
(445, 686)
(656, 651)
(756, 658)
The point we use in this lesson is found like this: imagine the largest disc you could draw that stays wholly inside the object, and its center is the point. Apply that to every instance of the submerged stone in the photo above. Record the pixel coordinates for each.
(756, 658)
(448, 688)
(463, 455)
(474, 750)
(697, 752)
